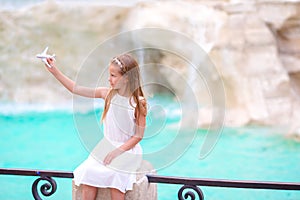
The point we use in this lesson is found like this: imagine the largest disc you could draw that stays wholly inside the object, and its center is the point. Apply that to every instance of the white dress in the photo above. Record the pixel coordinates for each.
(119, 126)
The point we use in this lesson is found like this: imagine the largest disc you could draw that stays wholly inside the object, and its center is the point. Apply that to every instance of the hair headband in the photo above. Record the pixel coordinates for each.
(118, 62)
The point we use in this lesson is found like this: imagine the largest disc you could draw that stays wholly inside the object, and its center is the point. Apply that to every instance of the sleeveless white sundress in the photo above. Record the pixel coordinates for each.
(119, 126)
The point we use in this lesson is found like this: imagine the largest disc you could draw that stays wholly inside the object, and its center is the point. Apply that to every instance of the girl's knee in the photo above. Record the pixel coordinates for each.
(88, 187)
(116, 194)
(89, 192)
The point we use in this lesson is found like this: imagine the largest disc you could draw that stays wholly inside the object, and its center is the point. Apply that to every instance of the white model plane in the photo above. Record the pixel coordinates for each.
(43, 56)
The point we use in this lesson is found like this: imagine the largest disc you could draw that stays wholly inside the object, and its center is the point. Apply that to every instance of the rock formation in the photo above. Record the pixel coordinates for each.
(255, 46)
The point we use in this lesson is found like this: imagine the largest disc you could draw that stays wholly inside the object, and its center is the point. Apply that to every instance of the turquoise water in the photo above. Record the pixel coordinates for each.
(50, 140)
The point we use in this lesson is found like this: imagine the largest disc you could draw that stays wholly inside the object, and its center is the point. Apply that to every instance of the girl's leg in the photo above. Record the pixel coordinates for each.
(116, 194)
(89, 192)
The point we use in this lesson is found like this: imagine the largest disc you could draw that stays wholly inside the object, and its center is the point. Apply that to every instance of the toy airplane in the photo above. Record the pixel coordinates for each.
(43, 56)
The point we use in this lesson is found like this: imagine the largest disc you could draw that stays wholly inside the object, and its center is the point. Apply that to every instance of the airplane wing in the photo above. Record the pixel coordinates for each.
(45, 51)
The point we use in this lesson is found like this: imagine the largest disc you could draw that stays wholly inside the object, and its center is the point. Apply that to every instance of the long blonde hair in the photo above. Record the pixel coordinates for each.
(128, 67)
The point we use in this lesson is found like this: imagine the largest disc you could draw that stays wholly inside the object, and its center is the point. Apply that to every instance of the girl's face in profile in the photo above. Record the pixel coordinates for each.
(116, 79)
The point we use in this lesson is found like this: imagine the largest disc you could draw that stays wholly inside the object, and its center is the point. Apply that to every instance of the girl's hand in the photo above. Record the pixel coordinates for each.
(112, 155)
(53, 68)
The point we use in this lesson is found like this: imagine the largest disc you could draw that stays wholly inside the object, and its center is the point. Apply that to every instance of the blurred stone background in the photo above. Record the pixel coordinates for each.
(254, 44)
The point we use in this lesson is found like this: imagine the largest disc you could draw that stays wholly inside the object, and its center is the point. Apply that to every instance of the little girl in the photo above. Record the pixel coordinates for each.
(117, 156)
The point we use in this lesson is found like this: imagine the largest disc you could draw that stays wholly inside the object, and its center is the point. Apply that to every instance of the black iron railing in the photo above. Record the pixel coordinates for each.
(189, 189)
(48, 188)
(192, 185)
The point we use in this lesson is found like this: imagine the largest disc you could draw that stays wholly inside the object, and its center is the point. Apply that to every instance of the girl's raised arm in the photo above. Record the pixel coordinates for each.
(99, 92)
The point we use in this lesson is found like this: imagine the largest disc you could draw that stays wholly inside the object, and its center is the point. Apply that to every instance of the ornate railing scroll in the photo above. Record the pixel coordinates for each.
(48, 188)
(193, 183)
(191, 194)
